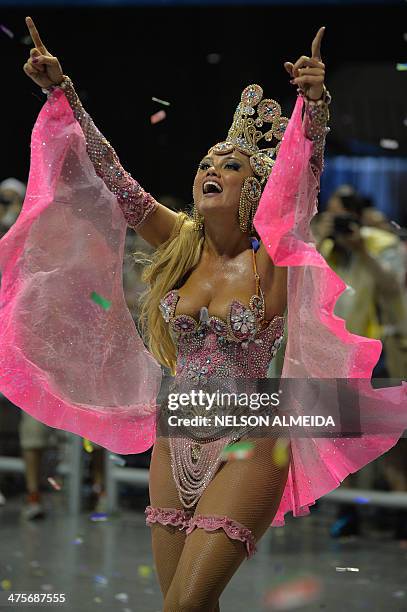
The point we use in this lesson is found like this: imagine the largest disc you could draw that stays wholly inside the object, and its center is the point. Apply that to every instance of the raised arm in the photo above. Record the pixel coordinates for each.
(308, 73)
(153, 221)
(316, 117)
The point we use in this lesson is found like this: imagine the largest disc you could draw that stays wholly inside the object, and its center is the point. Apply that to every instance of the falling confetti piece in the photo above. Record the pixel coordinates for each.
(213, 58)
(117, 460)
(160, 101)
(144, 571)
(157, 117)
(87, 445)
(122, 597)
(5, 585)
(389, 143)
(101, 579)
(97, 600)
(401, 67)
(98, 299)
(77, 541)
(280, 453)
(98, 516)
(347, 569)
(26, 40)
(54, 484)
(396, 225)
(293, 594)
(47, 587)
(240, 450)
(361, 500)
(6, 31)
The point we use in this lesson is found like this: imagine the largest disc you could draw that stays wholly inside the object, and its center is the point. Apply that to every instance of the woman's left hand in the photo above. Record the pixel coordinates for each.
(309, 72)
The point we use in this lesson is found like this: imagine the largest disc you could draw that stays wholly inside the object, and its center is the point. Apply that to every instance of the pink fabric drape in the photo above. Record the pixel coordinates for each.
(319, 346)
(63, 358)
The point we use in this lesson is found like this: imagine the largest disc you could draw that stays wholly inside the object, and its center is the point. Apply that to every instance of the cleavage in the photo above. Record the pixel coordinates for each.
(216, 308)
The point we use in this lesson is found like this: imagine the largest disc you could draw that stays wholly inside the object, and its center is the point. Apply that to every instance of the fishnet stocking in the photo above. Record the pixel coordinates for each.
(167, 541)
(194, 570)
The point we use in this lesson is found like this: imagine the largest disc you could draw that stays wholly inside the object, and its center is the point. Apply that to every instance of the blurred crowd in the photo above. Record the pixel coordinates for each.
(366, 250)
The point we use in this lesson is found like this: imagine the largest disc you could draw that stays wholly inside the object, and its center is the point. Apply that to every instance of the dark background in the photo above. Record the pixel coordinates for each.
(119, 57)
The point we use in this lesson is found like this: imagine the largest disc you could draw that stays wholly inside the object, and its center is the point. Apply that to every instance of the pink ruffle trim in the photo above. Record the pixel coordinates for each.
(233, 529)
(167, 516)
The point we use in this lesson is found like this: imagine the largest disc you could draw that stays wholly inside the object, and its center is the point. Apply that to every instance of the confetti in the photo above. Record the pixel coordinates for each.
(293, 594)
(144, 571)
(101, 579)
(157, 117)
(347, 569)
(117, 460)
(396, 225)
(361, 500)
(401, 67)
(5, 585)
(98, 299)
(26, 40)
(6, 31)
(77, 541)
(389, 143)
(213, 58)
(97, 600)
(87, 445)
(240, 450)
(122, 597)
(160, 101)
(280, 455)
(47, 587)
(98, 516)
(54, 484)
(39, 573)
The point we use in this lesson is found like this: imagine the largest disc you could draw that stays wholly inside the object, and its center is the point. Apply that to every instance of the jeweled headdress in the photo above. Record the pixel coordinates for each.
(244, 133)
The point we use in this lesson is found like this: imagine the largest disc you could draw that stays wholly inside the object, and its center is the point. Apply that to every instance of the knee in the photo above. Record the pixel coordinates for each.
(186, 602)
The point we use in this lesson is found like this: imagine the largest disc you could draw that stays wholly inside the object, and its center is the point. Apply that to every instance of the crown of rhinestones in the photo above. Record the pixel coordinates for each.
(245, 134)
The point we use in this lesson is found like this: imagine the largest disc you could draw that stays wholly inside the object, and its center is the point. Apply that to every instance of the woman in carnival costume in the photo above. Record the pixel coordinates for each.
(216, 307)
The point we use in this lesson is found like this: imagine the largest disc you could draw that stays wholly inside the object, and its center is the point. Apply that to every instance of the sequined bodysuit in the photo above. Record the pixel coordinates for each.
(241, 346)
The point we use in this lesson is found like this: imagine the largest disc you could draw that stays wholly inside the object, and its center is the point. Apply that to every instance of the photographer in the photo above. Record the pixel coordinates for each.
(370, 260)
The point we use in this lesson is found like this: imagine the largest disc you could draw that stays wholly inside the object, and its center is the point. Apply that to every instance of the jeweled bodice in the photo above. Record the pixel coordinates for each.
(240, 346)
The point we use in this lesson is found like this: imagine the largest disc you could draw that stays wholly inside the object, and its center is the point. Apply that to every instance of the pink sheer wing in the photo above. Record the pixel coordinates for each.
(65, 359)
(319, 346)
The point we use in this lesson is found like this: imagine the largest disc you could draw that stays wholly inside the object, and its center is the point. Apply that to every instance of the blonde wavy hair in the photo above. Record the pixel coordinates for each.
(164, 271)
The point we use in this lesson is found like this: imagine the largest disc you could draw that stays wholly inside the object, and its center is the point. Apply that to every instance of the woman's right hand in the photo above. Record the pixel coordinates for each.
(42, 67)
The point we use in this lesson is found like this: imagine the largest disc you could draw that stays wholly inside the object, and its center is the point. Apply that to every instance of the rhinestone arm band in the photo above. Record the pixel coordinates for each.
(134, 202)
(316, 117)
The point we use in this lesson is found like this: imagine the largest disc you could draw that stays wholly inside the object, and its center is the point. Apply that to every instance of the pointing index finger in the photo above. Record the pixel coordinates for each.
(35, 35)
(316, 44)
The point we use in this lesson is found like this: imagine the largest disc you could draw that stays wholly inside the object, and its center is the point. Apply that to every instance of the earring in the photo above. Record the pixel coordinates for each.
(197, 219)
(249, 199)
